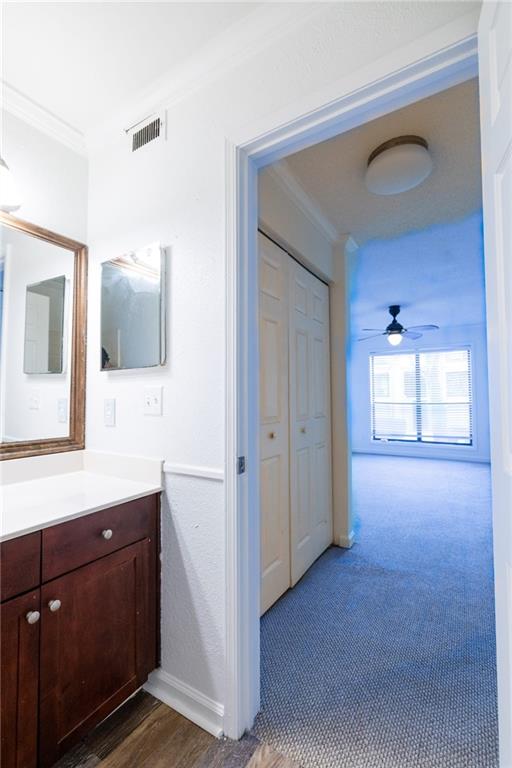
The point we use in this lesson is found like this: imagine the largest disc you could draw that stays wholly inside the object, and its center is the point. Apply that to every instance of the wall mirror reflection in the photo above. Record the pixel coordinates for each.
(133, 310)
(45, 326)
(42, 364)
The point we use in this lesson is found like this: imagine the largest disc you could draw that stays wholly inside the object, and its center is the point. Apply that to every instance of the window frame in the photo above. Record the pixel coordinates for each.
(414, 442)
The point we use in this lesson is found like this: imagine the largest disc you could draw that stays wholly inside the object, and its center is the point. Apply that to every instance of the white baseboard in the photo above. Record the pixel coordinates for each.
(189, 702)
(345, 541)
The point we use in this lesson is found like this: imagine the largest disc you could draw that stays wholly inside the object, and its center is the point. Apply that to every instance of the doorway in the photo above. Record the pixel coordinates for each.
(450, 66)
(391, 625)
(400, 628)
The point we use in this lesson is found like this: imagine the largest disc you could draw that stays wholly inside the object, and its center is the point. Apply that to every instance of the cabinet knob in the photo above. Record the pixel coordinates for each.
(107, 533)
(303, 430)
(33, 617)
(54, 605)
(272, 435)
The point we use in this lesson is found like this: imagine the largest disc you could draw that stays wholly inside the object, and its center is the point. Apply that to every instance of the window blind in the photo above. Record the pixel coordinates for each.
(422, 397)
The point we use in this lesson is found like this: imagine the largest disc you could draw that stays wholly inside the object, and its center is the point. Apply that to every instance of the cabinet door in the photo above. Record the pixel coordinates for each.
(19, 652)
(97, 643)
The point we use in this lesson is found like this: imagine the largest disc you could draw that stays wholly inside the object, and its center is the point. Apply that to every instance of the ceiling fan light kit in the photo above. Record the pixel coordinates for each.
(398, 165)
(395, 331)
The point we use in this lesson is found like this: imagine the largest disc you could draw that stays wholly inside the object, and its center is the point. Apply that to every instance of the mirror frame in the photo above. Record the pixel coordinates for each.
(76, 438)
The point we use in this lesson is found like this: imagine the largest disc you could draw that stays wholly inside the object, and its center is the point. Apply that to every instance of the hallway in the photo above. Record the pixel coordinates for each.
(384, 655)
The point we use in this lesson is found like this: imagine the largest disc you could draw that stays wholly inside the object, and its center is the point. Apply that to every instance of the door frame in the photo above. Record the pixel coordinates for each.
(433, 64)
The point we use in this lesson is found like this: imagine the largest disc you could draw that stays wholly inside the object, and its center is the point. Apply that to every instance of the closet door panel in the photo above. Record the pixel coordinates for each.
(271, 471)
(300, 292)
(300, 381)
(322, 418)
(319, 382)
(272, 405)
(310, 440)
(321, 506)
(303, 497)
(274, 437)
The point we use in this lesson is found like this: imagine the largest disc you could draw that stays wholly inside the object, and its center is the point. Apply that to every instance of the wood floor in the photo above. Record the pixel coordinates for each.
(144, 733)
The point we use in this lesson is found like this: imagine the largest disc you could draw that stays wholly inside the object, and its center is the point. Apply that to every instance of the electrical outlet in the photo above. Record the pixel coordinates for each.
(153, 401)
(109, 412)
(62, 410)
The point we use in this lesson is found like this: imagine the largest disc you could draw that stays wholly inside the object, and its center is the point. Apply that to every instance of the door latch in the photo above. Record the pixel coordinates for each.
(241, 465)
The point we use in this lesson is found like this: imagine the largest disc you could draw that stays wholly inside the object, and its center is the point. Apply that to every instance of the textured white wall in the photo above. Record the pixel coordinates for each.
(51, 177)
(175, 192)
(53, 183)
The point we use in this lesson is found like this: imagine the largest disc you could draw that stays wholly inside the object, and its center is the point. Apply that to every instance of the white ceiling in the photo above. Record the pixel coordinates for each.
(82, 61)
(332, 173)
(421, 249)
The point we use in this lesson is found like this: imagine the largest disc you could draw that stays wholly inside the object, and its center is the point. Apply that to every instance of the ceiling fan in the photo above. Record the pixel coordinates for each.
(395, 331)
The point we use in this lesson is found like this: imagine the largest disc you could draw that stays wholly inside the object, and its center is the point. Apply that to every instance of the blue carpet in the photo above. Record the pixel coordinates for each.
(383, 656)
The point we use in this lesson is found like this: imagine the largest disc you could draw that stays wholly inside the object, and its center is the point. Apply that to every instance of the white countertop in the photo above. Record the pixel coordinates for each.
(35, 504)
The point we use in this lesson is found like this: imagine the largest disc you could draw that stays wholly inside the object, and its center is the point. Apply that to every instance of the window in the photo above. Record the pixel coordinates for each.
(422, 397)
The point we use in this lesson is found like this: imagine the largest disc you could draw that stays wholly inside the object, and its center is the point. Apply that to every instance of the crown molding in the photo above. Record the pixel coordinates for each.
(225, 52)
(283, 176)
(19, 105)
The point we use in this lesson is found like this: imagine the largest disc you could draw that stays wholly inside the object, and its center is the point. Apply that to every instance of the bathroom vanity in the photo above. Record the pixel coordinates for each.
(79, 605)
(79, 529)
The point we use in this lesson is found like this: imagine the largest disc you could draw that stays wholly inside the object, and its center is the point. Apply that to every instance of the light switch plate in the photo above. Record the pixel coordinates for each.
(109, 412)
(153, 401)
(34, 401)
(62, 410)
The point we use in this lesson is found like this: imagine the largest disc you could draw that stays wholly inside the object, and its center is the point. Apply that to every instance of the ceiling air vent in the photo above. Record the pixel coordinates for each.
(146, 131)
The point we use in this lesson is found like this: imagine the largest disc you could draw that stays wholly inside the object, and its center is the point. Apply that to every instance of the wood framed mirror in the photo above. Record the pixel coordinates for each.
(43, 307)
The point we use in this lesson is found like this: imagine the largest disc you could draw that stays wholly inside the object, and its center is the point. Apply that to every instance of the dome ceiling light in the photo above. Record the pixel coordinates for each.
(398, 165)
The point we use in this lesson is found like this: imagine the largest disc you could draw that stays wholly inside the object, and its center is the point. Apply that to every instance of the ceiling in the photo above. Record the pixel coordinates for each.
(332, 172)
(82, 61)
(422, 249)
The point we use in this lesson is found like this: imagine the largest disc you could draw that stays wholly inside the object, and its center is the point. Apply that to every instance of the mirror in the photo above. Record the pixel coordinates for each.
(42, 344)
(133, 310)
(44, 326)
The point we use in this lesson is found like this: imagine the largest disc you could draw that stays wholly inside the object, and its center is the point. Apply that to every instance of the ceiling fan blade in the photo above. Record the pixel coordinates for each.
(412, 335)
(423, 328)
(374, 336)
(377, 330)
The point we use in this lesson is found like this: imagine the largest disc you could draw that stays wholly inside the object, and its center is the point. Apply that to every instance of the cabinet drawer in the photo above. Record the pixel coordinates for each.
(69, 545)
(20, 565)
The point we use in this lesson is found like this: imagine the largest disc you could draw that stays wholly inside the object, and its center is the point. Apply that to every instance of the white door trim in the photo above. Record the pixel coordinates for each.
(401, 85)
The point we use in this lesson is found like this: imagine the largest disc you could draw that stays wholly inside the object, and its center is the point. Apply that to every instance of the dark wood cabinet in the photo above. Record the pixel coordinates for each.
(20, 565)
(95, 638)
(94, 644)
(69, 545)
(19, 658)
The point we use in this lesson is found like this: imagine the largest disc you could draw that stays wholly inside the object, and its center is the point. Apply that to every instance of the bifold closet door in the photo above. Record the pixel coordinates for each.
(274, 429)
(310, 423)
